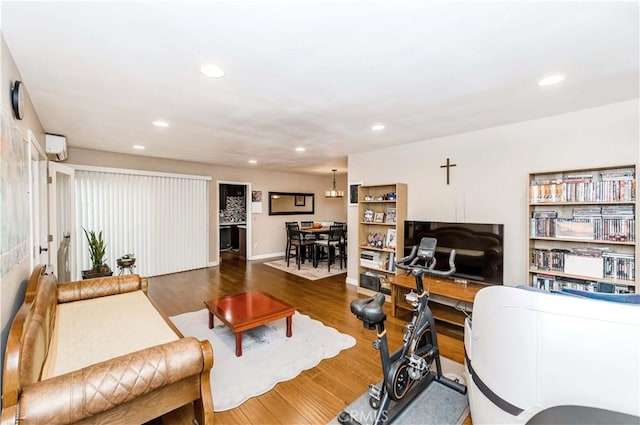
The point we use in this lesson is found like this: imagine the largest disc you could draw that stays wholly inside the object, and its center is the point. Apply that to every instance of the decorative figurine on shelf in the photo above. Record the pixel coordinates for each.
(368, 216)
(375, 240)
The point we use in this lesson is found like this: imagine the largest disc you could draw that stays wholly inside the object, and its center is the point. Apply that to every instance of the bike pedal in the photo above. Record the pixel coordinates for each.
(375, 392)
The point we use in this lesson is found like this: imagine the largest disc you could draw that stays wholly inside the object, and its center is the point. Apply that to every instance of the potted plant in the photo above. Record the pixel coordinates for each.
(97, 252)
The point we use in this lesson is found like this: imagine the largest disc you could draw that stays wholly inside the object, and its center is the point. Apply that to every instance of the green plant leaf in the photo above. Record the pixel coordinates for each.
(97, 249)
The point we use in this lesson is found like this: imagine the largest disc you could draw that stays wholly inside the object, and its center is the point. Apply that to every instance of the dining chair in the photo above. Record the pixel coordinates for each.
(308, 225)
(287, 248)
(296, 241)
(344, 238)
(332, 246)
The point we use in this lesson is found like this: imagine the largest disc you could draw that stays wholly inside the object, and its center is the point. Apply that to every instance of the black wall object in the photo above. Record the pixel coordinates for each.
(17, 100)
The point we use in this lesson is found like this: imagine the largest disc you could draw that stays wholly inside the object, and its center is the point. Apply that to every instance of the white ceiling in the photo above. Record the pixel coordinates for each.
(316, 74)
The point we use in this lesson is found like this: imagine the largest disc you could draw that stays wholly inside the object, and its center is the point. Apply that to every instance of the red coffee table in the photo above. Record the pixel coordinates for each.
(248, 310)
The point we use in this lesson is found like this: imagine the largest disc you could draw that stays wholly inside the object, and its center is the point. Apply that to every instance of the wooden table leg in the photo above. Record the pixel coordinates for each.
(210, 320)
(289, 321)
(238, 344)
(394, 296)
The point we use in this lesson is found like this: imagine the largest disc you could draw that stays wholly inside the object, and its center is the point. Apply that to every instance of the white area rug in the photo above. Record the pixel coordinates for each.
(268, 356)
(307, 270)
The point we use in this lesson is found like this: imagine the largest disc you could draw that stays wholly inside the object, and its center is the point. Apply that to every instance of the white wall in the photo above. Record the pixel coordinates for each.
(12, 285)
(489, 183)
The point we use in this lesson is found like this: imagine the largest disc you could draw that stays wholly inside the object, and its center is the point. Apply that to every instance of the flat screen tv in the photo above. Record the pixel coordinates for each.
(479, 248)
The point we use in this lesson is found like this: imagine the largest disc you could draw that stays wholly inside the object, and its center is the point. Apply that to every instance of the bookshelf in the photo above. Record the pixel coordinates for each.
(582, 229)
(382, 210)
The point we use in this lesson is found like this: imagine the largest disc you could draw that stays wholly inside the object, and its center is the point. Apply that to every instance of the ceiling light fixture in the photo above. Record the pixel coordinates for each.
(160, 123)
(253, 161)
(333, 193)
(138, 147)
(301, 149)
(212, 71)
(377, 127)
(550, 80)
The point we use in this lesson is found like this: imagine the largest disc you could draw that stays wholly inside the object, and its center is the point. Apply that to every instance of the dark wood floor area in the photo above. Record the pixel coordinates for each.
(316, 395)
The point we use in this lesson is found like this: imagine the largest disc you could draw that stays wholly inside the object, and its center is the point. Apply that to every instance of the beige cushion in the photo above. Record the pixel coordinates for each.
(98, 329)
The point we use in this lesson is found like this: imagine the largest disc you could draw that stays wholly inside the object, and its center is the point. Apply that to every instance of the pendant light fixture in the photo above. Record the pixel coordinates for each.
(333, 193)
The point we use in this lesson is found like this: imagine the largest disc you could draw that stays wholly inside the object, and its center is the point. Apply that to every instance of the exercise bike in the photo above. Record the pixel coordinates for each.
(408, 371)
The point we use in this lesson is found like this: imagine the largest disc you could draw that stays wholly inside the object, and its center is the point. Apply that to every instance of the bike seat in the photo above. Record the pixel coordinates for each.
(369, 310)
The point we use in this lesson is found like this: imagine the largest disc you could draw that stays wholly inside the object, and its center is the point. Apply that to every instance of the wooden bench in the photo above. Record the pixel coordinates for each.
(97, 351)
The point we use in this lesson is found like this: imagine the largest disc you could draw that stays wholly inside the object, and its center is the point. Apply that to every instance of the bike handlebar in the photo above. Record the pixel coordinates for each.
(426, 252)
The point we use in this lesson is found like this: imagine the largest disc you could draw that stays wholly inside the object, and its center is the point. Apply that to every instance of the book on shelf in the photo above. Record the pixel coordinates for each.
(587, 212)
(575, 228)
(546, 190)
(584, 187)
(370, 256)
(545, 214)
(621, 174)
(377, 265)
(543, 227)
(619, 266)
(548, 259)
(543, 281)
(567, 282)
(577, 177)
(390, 264)
(379, 262)
(583, 265)
(617, 211)
(391, 215)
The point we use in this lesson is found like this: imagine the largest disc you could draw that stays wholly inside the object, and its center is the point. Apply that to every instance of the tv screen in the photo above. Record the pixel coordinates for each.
(479, 247)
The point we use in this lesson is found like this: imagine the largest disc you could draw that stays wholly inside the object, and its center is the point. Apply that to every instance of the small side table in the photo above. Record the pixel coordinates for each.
(126, 264)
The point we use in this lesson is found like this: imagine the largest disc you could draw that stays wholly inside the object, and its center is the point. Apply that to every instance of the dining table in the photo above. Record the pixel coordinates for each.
(324, 230)
(315, 230)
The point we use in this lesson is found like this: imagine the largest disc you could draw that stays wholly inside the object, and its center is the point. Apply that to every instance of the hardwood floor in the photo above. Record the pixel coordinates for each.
(316, 395)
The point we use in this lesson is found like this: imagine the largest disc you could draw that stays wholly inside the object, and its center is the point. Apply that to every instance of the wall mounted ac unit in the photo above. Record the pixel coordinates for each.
(55, 147)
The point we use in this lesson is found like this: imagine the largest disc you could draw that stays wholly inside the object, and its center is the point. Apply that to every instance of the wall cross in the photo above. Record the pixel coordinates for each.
(448, 166)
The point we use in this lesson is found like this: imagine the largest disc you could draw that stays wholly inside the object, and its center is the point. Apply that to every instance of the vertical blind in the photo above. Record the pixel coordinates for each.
(162, 220)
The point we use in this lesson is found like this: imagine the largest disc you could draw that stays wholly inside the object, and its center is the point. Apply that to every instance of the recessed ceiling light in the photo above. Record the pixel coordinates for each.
(138, 147)
(211, 70)
(159, 123)
(377, 127)
(301, 149)
(552, 79)
(253, 161)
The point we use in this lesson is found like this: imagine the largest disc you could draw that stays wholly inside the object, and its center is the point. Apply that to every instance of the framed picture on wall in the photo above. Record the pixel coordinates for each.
(353, 193)
(299, 201)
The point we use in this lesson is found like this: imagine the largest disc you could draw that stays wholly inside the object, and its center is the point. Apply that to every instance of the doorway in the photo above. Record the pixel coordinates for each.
(62, 221)
(38, 204)
(234, 224)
